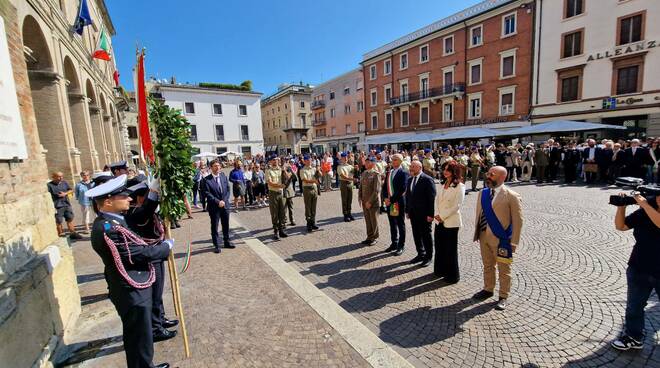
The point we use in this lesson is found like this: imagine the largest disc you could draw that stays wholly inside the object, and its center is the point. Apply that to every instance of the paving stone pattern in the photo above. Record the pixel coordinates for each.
(239, 314)
(568, 294)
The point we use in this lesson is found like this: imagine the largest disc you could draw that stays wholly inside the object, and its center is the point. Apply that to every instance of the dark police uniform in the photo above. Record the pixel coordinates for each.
(127, 269)
(144, 221)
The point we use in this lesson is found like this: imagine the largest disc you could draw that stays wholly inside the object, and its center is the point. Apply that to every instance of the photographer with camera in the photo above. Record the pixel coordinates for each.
(643, 273)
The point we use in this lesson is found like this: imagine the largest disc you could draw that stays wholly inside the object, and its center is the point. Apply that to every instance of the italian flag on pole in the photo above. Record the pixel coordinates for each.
(103, 49)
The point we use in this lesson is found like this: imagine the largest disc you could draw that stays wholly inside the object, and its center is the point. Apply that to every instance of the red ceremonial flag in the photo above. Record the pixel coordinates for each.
(115, 76)
(143, 115)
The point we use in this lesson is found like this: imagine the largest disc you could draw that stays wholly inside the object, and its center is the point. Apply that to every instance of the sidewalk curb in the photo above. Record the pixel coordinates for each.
(376, 352)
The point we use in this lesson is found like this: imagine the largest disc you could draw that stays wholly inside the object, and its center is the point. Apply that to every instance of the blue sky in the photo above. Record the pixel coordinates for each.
(268, 42)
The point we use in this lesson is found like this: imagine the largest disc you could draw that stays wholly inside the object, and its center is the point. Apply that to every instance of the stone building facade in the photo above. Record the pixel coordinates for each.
(286, 119)
(596, 62)
(69, 118)
(338, 113)
(221, 120)
(74, 96)
(472, 68)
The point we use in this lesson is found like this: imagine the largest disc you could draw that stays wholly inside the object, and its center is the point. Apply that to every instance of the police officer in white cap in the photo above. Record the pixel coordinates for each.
(129, 269)
(119, 168)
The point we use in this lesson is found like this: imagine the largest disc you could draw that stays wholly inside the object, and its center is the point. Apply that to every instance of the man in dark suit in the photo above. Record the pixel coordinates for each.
(144, 221)
(604, 160)
(420, 200)
(589, 155)
(636, 158)
(129, 269)
(395, 201)
(554, 156)
(216, 188)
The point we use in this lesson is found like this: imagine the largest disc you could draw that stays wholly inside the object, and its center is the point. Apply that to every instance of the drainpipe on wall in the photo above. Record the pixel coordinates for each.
(465, 77)
(392, 88)
(538, 57)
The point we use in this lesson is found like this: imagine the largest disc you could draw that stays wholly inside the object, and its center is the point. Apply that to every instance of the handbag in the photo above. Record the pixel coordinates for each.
(590, 167)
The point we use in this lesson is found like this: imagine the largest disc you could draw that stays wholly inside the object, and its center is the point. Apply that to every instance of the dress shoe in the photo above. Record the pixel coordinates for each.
(347, 219)
(229, 245)
(216, 250)
(417, 259)
(367, 242)
(501, 304)
(75, 236)
(169, 323)
(426, 262)
(399, 252)
(283, 234)
(163, 334)
(482, 295)
(162, 365)
(391, 248)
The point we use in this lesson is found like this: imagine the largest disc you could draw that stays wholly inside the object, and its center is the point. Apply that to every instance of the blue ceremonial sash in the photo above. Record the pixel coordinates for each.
(504, 251)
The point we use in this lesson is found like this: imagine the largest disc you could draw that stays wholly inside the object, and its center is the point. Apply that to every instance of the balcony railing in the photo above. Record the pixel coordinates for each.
(318, 121)
(318, 104)
(245, 137)
(456, 88)
(219, 137)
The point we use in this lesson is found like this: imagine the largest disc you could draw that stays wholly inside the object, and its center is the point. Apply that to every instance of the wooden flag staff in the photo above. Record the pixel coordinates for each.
(171, 159)
(176, 291)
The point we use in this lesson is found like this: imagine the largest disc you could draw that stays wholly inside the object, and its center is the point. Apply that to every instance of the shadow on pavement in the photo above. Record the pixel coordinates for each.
(610, 357)
(90, 299)
(90, 277)
(83, 351)
(425, 325)
(374, 300)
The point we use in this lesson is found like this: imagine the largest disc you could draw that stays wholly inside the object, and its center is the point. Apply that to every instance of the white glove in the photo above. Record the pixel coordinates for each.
(169, 242)
(155, 185)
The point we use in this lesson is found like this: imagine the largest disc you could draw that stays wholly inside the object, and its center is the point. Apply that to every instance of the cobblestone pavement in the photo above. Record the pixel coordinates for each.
(238, 311)
(568, 294)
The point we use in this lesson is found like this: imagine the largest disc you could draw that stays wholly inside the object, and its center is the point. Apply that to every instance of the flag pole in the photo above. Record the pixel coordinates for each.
(145, 142)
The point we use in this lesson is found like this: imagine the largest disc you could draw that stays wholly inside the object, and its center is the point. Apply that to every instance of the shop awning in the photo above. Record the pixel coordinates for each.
(469, 133)
(557, 126)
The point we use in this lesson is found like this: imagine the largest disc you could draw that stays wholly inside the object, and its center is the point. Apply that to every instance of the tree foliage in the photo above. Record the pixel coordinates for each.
(245, 86)
(174, 157)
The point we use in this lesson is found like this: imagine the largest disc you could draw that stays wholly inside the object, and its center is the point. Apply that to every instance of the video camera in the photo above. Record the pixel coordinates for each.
(639, 188)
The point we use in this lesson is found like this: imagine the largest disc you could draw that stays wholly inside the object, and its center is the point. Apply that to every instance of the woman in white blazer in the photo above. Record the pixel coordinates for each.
(448, 217)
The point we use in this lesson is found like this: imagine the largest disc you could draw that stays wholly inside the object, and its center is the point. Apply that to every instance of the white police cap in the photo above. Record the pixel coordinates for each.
(112, 187)
(118, 165)
(100, 174)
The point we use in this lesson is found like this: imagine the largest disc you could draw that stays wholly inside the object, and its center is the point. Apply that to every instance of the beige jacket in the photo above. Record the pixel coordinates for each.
(508, 209)
(448, 204)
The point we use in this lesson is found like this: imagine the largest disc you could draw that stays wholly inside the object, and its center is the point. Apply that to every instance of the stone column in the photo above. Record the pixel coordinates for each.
(79, 116)
(110, 137)
(51, 124)
(99, 140)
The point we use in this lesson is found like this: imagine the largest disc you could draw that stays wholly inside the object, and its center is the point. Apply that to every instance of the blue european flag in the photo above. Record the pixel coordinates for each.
(83, 19)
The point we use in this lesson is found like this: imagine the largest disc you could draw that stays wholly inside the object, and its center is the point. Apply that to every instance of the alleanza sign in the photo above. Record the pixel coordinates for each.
(624, 50)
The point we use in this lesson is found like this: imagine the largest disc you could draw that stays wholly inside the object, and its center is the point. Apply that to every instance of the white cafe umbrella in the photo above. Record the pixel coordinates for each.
(205, 154)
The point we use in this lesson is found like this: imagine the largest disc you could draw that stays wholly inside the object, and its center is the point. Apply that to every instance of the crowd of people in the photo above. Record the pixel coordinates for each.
(128, 234)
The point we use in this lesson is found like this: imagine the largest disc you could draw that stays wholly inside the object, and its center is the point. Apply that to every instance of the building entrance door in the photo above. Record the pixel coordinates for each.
(636, 124)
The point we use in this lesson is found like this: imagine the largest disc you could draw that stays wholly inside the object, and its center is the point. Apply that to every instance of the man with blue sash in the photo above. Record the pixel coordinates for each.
(497, 228)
